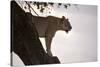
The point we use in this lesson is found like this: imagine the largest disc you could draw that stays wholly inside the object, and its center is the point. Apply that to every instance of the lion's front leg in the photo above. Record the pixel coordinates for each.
(48, 41)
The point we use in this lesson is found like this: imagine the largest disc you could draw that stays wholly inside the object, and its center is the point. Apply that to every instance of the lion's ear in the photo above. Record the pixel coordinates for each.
(62, 19)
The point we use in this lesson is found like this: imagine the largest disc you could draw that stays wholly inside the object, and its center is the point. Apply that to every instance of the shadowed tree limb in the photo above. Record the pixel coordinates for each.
(31, 8)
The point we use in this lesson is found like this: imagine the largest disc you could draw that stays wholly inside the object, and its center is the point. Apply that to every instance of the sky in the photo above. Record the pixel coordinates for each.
(80, 44)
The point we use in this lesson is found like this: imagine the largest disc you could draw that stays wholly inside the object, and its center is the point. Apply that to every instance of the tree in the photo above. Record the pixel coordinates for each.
(41, 6)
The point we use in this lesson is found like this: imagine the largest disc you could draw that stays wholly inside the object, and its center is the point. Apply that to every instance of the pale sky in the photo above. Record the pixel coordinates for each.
(80, 44)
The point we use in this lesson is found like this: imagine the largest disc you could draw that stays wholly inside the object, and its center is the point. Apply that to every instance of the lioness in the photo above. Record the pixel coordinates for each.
(47, 27)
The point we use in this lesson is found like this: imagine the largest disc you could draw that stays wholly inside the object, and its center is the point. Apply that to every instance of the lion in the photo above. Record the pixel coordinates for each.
(48, 26)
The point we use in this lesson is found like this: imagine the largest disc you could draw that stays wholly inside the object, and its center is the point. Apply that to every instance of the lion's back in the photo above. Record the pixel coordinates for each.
(41, 25)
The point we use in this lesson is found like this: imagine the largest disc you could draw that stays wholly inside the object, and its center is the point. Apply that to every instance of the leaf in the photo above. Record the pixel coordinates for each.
(34, 3)
(51, 3)
(65, 6)
(38, 5)
(59, 4)
(45, 4)
(25, 7)
(30, 2)
(42, 9)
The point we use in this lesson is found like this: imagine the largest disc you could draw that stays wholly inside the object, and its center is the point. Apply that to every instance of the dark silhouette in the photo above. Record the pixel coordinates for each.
(48, 26)
(25, 40)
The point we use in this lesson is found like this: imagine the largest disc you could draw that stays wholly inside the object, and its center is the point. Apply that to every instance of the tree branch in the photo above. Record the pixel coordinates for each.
(31, 8)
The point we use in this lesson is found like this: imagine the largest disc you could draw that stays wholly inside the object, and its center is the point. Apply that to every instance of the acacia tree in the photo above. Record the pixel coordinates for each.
(41, 6)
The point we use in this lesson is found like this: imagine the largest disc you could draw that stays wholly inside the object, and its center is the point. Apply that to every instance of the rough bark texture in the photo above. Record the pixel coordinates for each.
(25, 40)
